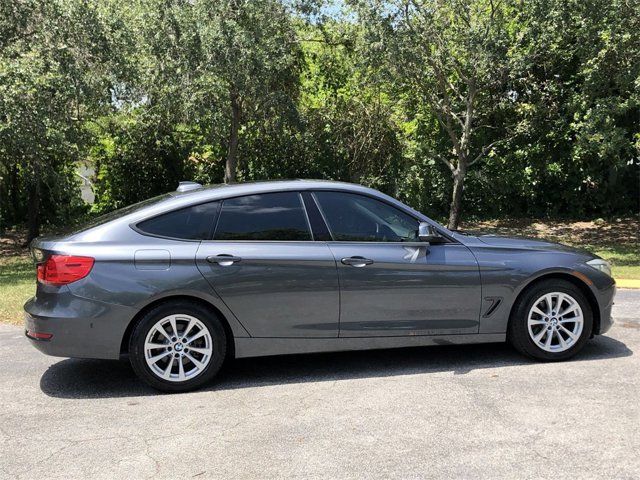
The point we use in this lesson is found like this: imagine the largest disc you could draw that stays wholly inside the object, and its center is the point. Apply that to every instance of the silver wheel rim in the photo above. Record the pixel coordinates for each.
(178, 348)
(555, 322)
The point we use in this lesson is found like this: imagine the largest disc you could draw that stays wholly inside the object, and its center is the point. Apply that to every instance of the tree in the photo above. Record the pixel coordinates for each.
(226, 63)
(252, 48)
(576, 71)
(349, 116)
(53, 65)
(522, 108)
(452, 56)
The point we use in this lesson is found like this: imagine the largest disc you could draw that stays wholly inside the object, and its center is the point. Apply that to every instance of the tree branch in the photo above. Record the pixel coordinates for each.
(445, 121)
(487, 148)
(446, 162)
(468, 121)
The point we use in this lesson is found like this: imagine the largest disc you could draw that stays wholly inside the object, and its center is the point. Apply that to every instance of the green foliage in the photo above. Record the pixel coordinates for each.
(157, 91)
(577, 76)
(54, 64)
(137, 158)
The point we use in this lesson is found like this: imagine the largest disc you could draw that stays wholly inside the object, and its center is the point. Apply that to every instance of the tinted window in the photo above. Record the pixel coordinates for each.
(358, 218)
(107, 217)
(272, 216)
(192, 223)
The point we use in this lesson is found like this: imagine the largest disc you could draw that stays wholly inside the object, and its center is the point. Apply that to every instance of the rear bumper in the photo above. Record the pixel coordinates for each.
(78, 327)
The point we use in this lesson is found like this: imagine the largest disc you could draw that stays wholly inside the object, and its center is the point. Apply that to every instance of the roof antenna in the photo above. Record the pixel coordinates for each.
(188, 186)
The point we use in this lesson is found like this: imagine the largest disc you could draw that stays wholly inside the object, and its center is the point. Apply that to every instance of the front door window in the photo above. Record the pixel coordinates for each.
(356, 218)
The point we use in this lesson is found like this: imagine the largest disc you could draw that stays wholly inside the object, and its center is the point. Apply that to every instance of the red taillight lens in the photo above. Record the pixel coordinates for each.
(63, 269)
(39, 335)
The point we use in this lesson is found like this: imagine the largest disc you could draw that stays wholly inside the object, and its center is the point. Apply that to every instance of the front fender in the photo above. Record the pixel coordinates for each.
(506, 273)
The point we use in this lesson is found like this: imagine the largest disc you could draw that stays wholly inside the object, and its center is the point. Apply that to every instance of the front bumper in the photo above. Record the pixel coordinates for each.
(79, 327)
(606, 306)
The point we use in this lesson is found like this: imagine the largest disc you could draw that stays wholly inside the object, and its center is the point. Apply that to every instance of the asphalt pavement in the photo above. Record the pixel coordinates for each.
(479, 411)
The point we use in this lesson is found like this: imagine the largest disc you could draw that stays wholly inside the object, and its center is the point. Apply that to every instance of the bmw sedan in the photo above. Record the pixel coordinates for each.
(180, 282)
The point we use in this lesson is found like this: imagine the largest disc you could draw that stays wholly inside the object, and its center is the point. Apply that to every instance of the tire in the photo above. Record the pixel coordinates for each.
(530, 328)
(190, 364)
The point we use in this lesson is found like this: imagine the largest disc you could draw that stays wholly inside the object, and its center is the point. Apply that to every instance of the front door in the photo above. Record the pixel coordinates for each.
(391, 284)
(267, 269)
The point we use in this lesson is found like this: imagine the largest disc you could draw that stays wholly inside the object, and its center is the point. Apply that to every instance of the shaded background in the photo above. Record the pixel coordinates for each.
(139, 96)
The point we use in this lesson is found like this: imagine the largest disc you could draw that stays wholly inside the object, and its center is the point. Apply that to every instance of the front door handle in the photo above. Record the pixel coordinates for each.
(356, 261)
(223, 259)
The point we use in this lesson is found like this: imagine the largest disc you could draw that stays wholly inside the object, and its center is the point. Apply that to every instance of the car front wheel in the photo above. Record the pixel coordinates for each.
(552, 320)
(177, 347)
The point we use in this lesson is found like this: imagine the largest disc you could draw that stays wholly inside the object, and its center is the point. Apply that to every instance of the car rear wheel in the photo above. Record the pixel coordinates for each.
(552, 320)
(177, 346)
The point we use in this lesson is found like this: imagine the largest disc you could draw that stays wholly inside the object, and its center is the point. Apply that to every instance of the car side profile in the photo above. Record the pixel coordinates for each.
(180, 282)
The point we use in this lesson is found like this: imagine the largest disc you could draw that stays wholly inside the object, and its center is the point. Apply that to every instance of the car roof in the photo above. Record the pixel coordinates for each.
(222, 190)
(176, 200)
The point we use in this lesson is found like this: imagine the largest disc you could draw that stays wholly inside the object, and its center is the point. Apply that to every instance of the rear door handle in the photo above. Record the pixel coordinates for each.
(357, 261)
(224, 260)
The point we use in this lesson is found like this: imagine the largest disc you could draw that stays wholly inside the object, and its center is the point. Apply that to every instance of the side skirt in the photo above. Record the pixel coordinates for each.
(260, 347)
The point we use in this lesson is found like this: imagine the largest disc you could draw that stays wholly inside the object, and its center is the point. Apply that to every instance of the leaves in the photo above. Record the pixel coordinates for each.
(533, 106)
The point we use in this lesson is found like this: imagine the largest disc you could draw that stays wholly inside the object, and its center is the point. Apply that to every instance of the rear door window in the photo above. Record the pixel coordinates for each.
(191, 223)
(269, 216)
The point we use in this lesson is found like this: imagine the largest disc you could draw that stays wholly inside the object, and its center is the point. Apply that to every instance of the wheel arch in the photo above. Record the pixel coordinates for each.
(124, 344)
(576, 281)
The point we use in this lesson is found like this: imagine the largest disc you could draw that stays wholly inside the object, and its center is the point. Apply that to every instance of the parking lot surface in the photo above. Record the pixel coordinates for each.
(478, 411)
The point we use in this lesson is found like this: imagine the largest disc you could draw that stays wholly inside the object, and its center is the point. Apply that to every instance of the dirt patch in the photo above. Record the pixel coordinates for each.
(623, 232)
(13, 243)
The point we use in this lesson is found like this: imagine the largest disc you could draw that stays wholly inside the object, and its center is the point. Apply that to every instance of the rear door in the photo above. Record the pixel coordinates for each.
(392, 284)
(266, 266)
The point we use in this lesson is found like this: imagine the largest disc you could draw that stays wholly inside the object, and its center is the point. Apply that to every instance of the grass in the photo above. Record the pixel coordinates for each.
(616, 241)
(17, 285)
(625, 262)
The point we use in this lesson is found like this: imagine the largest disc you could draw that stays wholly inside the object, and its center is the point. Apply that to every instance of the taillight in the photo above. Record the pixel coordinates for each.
(64, 269)
(39, 335)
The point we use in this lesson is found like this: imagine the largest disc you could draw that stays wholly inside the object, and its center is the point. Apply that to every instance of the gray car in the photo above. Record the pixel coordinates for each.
(182, 281)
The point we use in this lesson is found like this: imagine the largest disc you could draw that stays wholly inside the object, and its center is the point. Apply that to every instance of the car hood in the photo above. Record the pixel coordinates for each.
(523, 243)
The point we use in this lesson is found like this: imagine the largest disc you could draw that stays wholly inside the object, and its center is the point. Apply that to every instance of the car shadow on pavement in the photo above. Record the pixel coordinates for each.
(80, 378)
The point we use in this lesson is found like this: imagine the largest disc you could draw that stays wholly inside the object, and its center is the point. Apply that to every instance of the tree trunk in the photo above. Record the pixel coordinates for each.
(231, 167)
(33, 220)
(456, 200)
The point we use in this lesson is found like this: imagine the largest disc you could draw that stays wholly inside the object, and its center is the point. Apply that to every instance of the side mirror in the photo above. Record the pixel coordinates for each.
(428, 233)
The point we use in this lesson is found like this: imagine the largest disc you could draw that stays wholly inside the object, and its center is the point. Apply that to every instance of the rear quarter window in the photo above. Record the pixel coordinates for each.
(190, 223)
(113, 215)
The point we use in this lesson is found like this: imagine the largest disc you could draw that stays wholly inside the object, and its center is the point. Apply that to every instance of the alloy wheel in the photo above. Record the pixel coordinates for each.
(555, 322)
(178, 348)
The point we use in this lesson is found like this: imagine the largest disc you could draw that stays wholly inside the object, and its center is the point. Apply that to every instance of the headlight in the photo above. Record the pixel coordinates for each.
(601, 265)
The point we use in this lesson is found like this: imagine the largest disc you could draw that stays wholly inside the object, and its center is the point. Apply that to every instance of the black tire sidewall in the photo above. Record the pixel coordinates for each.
(518, 329)
(146, 322)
